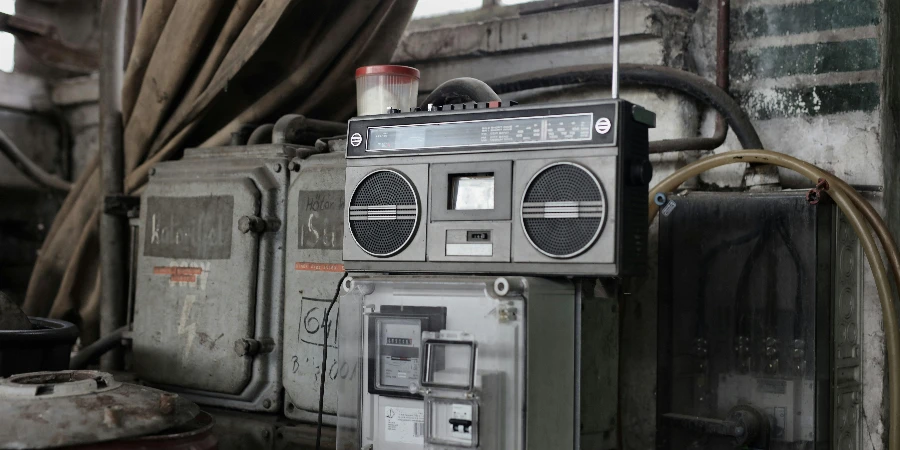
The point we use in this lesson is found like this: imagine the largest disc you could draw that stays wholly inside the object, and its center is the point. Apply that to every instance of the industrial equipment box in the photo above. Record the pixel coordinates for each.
(441, 362)
(759, 323)
(209, 296)
(313, 268)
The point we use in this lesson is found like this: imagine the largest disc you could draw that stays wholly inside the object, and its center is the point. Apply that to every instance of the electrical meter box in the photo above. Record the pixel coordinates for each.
(759, 324)
(313, 270)
(460, 362)
(210, 276)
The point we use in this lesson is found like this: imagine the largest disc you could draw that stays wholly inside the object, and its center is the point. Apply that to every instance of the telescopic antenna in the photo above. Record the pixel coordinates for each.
(615, 63)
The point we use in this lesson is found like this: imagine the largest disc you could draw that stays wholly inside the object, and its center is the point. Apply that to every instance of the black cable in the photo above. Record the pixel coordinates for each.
(798, 267)
(641, 75)
(705, 263)
(743, 304)
(325, 327)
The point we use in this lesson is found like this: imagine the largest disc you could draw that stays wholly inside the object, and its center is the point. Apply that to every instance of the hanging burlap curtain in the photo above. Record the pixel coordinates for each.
(199, 70)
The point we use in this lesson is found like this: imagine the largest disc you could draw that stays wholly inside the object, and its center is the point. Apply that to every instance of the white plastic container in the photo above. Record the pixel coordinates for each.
(380, 88)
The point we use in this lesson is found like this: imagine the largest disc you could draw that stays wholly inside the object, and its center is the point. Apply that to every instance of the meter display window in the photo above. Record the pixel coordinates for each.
(449, 364)
(394, 339)
(471, 191)
(398, 353)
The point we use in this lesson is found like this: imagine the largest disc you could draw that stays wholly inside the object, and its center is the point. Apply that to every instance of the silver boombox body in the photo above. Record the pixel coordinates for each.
(540, 189)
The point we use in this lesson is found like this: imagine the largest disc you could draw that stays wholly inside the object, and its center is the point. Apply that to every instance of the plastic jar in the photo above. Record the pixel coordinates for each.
(379, 88)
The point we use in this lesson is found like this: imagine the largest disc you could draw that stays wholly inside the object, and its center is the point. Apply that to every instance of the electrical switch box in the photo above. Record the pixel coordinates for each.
(209, 278)
(759, 323)
(452, 362)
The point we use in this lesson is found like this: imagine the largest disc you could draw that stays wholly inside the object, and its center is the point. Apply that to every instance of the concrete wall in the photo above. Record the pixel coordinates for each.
(54, 121)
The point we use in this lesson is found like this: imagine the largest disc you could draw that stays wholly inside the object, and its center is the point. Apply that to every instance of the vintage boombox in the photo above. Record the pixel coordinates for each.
(478, 188)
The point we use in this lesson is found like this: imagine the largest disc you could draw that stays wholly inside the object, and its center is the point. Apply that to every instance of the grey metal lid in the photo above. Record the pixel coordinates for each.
(54, 409)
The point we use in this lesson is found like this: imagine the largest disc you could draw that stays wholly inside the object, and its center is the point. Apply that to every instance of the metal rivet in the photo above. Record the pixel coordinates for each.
(267, 404)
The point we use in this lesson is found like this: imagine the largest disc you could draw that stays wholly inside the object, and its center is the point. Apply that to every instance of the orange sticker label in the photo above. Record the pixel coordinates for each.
(319, 267)
(182, 274)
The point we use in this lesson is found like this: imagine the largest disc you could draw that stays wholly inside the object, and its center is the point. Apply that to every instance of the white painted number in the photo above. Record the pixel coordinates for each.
(603, 125)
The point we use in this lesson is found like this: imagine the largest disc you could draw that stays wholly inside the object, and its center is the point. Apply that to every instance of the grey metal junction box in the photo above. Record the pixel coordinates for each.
(209, 297)
(313, 268)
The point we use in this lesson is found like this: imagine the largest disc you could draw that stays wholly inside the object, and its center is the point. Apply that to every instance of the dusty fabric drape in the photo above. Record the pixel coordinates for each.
(199, 70)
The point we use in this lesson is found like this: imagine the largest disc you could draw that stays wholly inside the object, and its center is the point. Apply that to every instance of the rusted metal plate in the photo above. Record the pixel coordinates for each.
(204, 282)
(194, 435)
(75, 407)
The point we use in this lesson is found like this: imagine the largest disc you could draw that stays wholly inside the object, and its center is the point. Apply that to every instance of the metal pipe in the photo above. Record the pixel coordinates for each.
(104, 345)
(261, 135)
(615, 61)
(113, 228)
(723, 36)
(133, 18)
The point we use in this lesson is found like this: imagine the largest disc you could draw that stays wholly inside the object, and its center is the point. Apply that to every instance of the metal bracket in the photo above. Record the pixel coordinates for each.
(122, 205)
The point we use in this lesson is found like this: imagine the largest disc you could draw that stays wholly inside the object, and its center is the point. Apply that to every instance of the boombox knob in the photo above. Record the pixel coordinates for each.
(641, 172)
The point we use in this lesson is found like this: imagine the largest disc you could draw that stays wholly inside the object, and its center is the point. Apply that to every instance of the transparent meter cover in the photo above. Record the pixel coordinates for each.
(421, 343)
(350, 314)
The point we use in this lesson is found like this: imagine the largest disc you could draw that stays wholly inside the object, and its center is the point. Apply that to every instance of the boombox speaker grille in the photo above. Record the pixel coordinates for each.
(563, 210)
(384, 213)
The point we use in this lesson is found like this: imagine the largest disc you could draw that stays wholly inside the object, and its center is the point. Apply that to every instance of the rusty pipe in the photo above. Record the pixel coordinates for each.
(113, 228)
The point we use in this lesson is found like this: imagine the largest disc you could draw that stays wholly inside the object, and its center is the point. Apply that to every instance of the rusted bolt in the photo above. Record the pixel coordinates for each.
(246, 347)
(253, 347)
(255, 224)
(814, 196)
(294, 166)
(112, 416)
(167, 403)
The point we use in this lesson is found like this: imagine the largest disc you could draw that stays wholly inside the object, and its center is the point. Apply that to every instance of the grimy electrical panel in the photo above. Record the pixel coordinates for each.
(552, 189)
(313, 268)
(759, 324)
(209, 282)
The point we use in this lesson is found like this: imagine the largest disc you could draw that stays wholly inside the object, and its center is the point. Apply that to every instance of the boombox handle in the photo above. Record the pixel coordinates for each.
(615, 63)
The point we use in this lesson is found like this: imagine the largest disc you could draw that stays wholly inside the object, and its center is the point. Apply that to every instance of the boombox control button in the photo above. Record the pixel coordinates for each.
(603, 125)
(356, 139)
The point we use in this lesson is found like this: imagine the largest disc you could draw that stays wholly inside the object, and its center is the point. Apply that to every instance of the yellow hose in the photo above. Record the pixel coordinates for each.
(848, 200)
